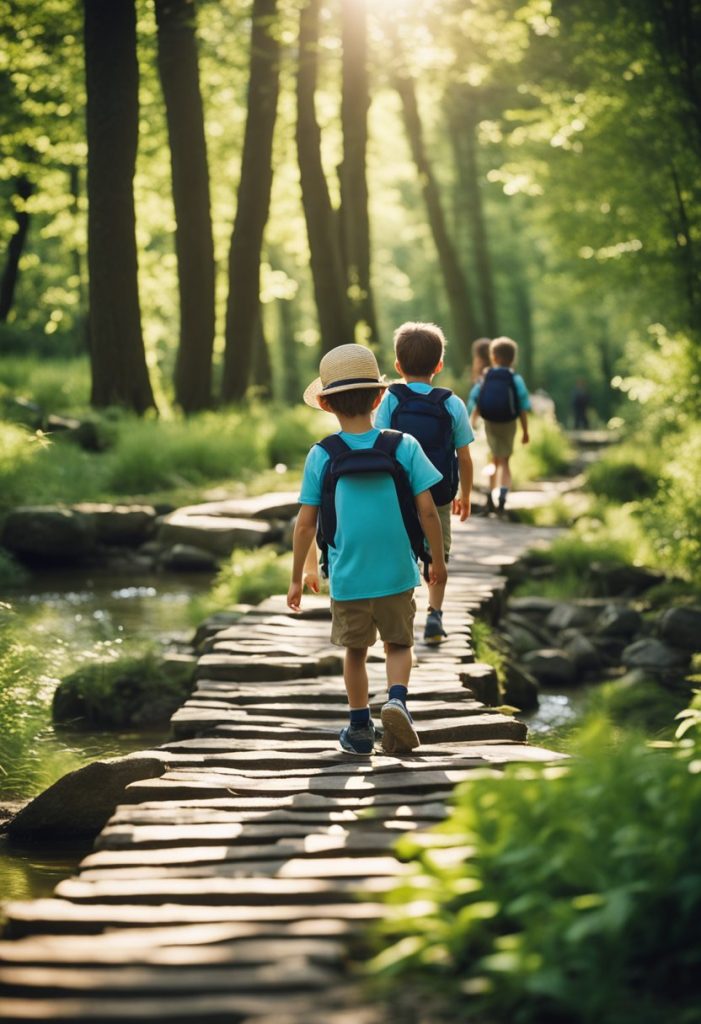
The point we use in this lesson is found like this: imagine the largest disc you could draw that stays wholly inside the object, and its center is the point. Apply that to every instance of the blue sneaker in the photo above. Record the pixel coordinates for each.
(358, 739)
(399, 725)
(434, 633)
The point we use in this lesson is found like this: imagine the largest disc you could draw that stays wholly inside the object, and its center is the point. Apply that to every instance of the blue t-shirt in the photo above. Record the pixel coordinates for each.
(523, 399)
(371, 556)
(462, 431)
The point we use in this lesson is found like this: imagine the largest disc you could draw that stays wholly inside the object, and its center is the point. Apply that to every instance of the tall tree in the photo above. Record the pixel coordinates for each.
(253, 202)
(118, 360)
(328, 275)
(354, 219)
(8, 283)
(465, 326)
(179, 74)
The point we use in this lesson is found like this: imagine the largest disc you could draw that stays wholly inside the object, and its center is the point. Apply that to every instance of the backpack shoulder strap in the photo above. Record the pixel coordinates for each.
(401, 392)
(439, 395)
(333, 445)
(388, 441)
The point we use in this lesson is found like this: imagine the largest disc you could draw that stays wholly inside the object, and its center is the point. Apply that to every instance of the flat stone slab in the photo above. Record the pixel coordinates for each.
(214, 533)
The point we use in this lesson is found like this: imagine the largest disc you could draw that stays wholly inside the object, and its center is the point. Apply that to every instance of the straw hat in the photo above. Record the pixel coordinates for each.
(345, 368)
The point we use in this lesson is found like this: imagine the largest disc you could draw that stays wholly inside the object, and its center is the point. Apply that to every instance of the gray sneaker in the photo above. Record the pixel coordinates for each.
(358, 739)
(433, 631)
(400, 734)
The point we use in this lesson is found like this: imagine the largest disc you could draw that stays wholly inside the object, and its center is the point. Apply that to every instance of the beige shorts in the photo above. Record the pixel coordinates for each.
(444, 514)
(500, 438)
(357, 623)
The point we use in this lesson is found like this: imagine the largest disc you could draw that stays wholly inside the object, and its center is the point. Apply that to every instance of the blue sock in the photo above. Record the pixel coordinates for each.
(398, 692)
(359, 716)
(503, 491)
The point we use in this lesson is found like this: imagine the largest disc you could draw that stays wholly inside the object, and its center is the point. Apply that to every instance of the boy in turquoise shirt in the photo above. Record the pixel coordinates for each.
(419, 350)
(372, 568)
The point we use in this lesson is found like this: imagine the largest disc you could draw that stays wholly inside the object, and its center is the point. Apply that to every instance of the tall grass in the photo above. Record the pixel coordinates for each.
(548, 452)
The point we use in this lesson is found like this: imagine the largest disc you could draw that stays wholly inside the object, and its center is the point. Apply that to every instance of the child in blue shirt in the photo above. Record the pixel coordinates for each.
(501, 433)
(419, 350)
(372, 568)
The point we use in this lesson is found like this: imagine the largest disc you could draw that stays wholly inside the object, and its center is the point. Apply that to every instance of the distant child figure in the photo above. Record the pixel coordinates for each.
(500, 398)
(480, 359)
(438, 420)
(580, 405)
(369, 493)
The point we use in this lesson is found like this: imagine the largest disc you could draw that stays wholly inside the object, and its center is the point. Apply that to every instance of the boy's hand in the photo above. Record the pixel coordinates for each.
(437, 573)
(294, 596)
(311, 580)
(524, 437)
(461, 507)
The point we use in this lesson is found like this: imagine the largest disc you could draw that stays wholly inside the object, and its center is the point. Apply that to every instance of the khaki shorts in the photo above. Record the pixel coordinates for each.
(357, 623)
(500, 438)
(444, 514)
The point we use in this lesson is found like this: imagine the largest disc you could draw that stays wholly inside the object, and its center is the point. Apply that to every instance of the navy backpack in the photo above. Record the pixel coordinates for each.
(426, 418)
(381, 458)
(497, 400)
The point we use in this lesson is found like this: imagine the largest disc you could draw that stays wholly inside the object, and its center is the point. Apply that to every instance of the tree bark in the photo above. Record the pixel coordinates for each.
(332, 305)
(262, 368)
(253, 203)
(118, 360)
(354, 217)
(8, 284)
(179, 74)
(465, 326)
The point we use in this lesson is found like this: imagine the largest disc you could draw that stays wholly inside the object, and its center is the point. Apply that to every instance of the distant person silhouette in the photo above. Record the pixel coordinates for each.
(580, 405)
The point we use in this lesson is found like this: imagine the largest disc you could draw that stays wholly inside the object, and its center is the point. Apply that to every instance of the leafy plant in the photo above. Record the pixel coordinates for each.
(541, 898)
(248, 577)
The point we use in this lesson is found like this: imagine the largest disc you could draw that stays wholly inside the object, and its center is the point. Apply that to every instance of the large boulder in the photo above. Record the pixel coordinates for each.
(656, 658)
(537, 607)
(217, 534)
(551, 666)
(618, 579)
(46, 533)
(186, 558)
(520, 687)
(681, 627)
(80, 804)
(569, 616)
(120, 524)
(618, 620)
(583, 653)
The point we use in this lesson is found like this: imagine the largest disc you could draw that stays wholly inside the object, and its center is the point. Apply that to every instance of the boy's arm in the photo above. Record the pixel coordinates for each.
(523, 419)
(461, 504)
(311, 569)
(305, 531)
(433, 532)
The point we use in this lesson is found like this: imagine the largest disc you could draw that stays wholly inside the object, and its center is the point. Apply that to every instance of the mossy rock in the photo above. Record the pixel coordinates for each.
(131, 693)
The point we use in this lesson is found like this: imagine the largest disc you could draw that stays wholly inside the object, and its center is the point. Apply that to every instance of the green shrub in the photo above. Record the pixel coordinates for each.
(548, 453)
(136, 691)
(558, 894)
(638, 703)
(56, 385)
(624, 473)
(248, 577)
(294, 432)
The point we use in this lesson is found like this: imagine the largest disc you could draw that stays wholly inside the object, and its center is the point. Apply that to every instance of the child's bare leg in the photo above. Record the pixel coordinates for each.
(398, 664)
(355, 676)
(505, 473)
(436, 593)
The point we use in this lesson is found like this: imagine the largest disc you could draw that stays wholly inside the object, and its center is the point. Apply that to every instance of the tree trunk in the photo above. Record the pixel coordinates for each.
(354, 219)
(253, 202)
(324, 246)
(461, 305)
(464, 134)
(82, 318)
(262, 369)
(8, 284)
(118, 359)
(291, 386)
(179, 74)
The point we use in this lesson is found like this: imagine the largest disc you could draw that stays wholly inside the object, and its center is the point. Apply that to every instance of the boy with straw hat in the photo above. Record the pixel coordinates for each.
(372, 568)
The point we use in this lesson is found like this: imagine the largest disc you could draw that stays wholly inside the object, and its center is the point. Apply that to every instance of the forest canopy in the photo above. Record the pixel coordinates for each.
(202, 197)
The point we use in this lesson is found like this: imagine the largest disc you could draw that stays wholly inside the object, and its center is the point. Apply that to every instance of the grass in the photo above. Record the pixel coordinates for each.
(547, 454)
(248, 577)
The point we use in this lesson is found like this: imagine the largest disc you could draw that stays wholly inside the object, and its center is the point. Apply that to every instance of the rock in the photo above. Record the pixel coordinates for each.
(282, 505)
(120, 524)
(216, 622)
(583, 653)
(681, 627)
(522, 640)
(567, 616)
(538, 607)
(656, 657)
(550, 666)
(85, 433)
(610, 648)
(186, 558)
(520, 687)
(529, 624)
(618, 620)
(481, 680)
(47, 533)
(80, 804)
(214, 533)
(618, 579)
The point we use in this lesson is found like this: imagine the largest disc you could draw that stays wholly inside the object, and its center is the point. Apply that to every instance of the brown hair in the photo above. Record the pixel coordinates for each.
(503, 350)
(419, 348)
(352, 403)
(480, 357)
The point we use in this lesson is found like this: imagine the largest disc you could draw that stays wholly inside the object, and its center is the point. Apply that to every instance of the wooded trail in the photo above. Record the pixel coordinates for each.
(230, 887)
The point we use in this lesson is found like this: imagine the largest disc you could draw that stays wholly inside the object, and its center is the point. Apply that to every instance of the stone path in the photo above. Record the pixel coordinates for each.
(232, 887)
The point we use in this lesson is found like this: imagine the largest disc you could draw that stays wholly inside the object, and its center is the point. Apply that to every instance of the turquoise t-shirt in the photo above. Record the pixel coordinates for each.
(522, 396)
(371, 556)
(462, 431)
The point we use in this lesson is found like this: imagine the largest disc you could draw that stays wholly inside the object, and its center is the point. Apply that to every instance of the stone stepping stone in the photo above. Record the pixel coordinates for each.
(215, 533)
(332, 868)
(255, 669)
(314, 607)
(176, 815)
(421, 710)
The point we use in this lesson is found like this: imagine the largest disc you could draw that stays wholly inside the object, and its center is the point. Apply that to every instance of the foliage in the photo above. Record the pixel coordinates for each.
(132, 691)
(540, 898)
(55, 385)
(487, 647)
(547, 454)
(639, 703)
(624, 473)
(248, 577)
